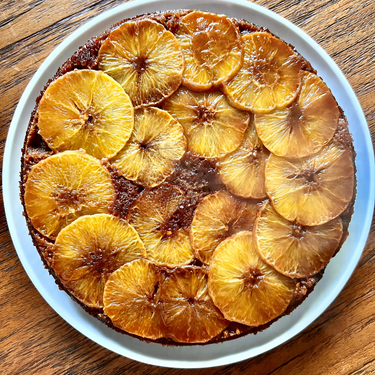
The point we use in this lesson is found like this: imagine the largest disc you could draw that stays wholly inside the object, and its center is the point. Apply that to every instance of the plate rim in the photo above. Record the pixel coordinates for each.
(7, 175)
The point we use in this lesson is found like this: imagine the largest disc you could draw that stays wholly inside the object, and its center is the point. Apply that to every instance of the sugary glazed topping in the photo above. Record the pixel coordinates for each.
(216, 185)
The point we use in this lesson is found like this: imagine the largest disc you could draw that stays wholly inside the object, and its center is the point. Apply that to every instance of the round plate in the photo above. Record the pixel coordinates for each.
(338, 270)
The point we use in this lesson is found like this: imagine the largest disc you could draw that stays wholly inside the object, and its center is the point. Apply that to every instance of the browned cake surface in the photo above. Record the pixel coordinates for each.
(196, 177)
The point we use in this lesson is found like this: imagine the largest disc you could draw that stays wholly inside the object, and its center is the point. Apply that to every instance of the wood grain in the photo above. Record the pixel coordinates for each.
(34, 339)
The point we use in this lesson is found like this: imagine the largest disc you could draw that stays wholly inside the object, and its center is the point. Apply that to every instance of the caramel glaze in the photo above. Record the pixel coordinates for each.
(196, 177)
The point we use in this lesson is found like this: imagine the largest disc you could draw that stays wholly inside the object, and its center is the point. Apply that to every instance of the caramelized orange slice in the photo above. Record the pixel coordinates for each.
(212, 126)
(86, 109)
(145, 59)
(88, 250)
(304, 127)
(212, 48)
(187, 309)
(270, 77)
(154, 217)
(131, 299)
(243, 287)
(293, 249)
(157, 142)
(312, 190)
(64, 187)
(217, 217)
(243, 170)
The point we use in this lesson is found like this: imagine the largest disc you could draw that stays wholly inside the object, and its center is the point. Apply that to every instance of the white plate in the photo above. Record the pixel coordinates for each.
(337, 272)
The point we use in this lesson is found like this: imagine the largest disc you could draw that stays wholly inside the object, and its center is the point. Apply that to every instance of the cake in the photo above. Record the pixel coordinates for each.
(187, 177)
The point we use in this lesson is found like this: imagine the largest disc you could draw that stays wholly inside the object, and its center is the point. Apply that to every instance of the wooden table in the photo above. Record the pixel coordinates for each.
(34, 339)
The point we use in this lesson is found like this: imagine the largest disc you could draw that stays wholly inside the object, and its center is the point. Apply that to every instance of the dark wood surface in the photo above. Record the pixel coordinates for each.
(34, 339)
